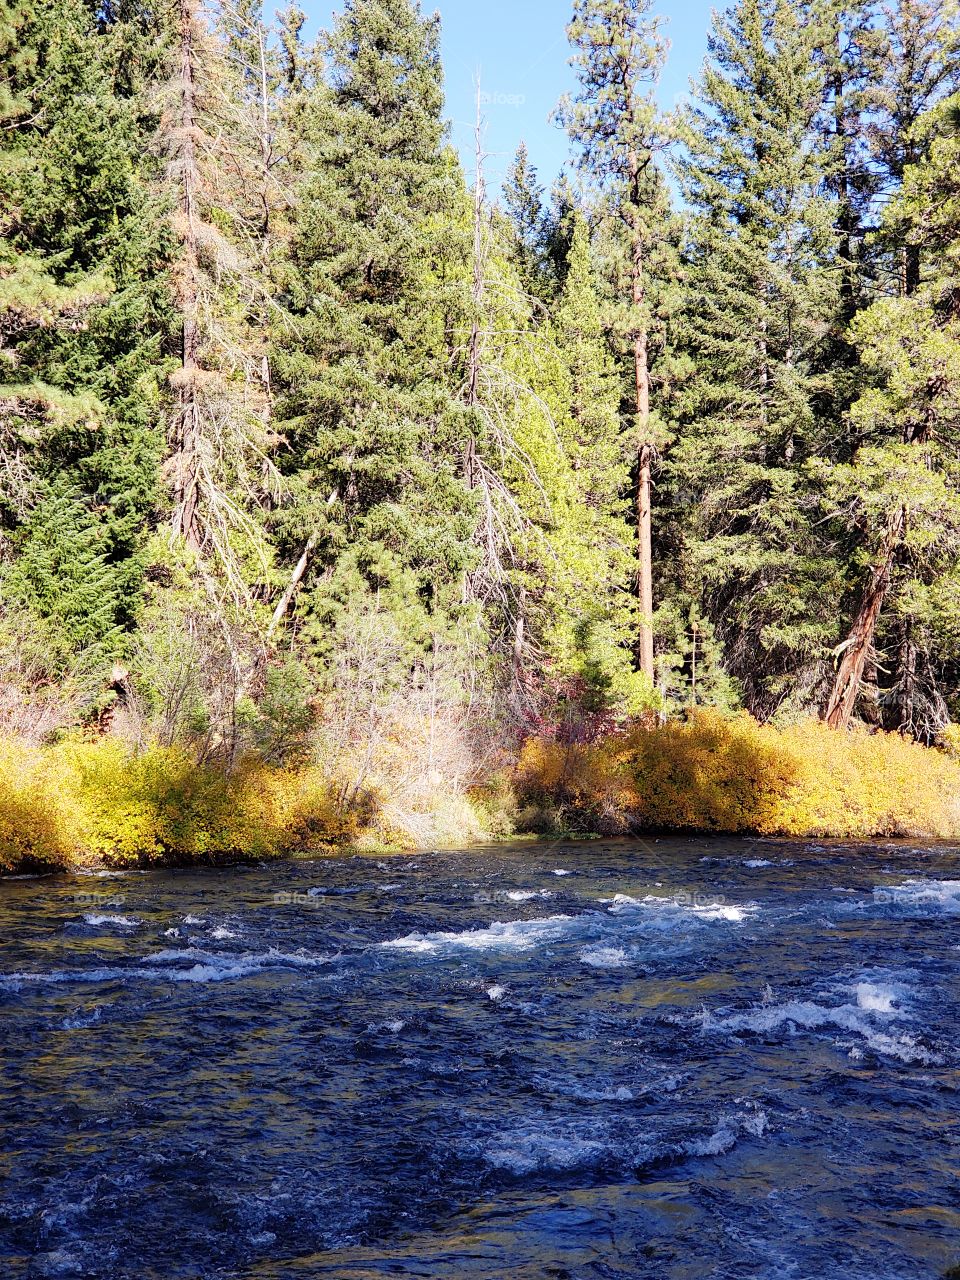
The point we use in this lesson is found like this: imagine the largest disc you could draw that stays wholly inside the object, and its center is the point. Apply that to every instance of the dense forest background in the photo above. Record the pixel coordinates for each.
(309, 445)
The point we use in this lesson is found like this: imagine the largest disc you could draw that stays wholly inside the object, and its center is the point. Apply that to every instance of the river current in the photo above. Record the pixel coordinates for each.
(670, 1059)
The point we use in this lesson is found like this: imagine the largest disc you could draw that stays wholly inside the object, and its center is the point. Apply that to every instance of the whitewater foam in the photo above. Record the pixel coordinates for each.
(540, 1150)
(169, 966)
(942, 896)
(709, 911)
(509, 935)
(120, 922)
(548, 1147)
(605, 957)
(874, 1004)
(729, 1129)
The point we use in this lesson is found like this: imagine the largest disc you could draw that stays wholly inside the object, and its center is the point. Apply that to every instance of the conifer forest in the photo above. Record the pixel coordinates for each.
(328, 468)
(479, 640)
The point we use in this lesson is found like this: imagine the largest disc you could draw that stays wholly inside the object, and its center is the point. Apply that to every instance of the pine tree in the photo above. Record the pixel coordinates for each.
(226, 188)
(83, 309)
(914, 62)
(523, 198)
(599, 614)
(762, 295)
(374, 434)
(902, 489)
(618, 54)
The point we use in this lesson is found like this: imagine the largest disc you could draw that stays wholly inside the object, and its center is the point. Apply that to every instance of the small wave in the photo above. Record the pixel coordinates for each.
(605, 957)
(193, 920)
(873, 1003)
(546, 1147)
(496, 992)
(559, 871)
(511, 935)
(222, 932)
(574, 1089)
(758, 862)
(171, 966)
(214, 967)
(699, 910)
(729, 1129)
(940, 896)
(547, 1150)
(120, 922)
(111, 875)
(83, 1019)
(526, 895)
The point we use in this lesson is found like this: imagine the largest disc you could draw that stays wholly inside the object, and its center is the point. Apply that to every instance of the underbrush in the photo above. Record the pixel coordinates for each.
(97, 802)
(716, 773)
(100, 802)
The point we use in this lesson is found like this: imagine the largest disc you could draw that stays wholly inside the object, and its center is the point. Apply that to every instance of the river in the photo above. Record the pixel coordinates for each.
(670, 1059)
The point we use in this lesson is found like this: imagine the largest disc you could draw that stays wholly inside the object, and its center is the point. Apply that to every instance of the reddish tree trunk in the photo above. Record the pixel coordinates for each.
(859, 645)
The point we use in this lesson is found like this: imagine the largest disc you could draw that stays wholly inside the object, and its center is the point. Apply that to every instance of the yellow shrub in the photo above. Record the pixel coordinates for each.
(310, 814)
(96, 801)
(161, 804)
(34, 815)
(729, 773)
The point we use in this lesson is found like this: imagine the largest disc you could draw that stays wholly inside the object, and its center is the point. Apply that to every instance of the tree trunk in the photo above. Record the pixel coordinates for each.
(644, 495)
(845, 219)
(907, 692)
(187, 428)
(859, 644)
(283, 604)
(477, 299)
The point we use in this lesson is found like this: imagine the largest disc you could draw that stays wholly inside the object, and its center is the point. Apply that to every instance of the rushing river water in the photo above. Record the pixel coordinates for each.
(665, 1059)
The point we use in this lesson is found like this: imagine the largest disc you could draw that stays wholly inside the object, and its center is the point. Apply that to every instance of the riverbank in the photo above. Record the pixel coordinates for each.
(98, 803)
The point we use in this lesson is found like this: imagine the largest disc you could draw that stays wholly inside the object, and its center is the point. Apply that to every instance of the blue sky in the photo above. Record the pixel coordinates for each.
(520, 49)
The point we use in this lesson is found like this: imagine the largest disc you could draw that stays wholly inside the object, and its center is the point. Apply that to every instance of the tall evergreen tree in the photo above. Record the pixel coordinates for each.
(901, 491)
(374, 434)
(226, 188)
(913, 62)
(83, 309)
(619, 53)
(762, 295)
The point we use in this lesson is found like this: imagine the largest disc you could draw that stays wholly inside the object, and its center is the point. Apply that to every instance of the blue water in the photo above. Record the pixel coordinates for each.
(676, 1059)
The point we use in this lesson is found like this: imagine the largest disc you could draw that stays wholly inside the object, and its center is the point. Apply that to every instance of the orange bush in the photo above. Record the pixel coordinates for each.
(728, 773)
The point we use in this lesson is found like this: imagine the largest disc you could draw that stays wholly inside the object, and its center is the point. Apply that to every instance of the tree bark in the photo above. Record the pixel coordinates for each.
(283, 604)
(859, 643)
(187, 428)
(477, 299)
(644, 494)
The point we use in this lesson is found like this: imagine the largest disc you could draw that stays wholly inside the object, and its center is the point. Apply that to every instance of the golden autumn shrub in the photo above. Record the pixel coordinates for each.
(161, 804)
(730, 774)
(35, 815)
(311, 813)
(95, 801)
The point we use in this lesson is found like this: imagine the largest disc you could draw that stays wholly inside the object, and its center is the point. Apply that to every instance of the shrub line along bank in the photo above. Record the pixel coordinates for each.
(98, 803)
